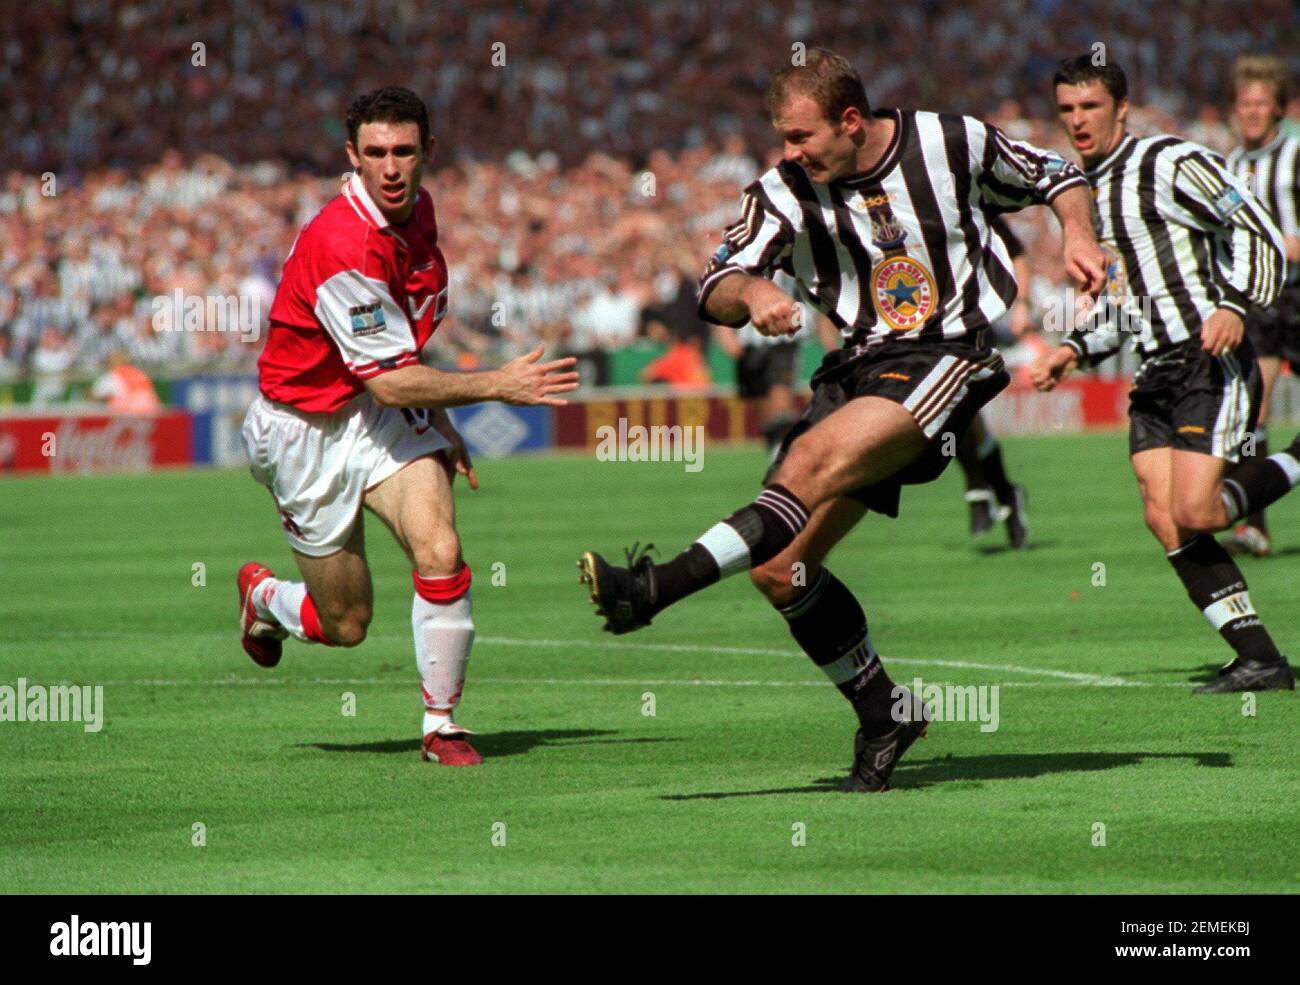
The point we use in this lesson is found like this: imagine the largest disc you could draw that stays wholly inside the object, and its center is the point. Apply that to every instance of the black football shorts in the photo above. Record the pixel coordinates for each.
(762, 367)
(1275, 331)
(943, 386)
(1190, 400)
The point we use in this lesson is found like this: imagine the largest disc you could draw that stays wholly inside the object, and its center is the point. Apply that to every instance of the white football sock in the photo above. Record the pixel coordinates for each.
(727, 547)
(281, 601)
(444, 633)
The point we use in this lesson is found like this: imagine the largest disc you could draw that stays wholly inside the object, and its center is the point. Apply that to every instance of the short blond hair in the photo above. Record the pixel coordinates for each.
(1262, 68)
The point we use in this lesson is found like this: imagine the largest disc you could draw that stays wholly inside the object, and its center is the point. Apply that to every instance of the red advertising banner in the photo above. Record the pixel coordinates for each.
(93, 442)
(723, 418)
(1075, 405)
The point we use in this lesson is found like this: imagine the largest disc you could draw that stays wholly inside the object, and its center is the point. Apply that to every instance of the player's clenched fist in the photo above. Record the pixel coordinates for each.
(1053, 367)
(525, 381)
(772, 311)
(1085, 263)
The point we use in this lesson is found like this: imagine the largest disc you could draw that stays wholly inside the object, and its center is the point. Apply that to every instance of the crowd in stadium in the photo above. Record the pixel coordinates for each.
(129, 185)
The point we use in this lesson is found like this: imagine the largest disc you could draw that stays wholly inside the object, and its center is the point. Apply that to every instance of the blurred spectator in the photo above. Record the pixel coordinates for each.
(125, 389)
(87, 84)
(10, 368)
(53, 358)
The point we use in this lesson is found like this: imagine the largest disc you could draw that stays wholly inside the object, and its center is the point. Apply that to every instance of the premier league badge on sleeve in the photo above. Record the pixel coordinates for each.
(367, 319)
(1228, 203)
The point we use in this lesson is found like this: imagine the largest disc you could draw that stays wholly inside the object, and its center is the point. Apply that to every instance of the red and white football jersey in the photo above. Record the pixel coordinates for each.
(358, 297)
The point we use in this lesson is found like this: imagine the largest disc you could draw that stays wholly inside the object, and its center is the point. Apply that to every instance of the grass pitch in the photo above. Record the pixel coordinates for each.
(584, 791)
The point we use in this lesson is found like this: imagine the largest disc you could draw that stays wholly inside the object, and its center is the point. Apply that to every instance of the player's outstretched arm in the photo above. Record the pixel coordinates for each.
(1085, 262)
(1052, 368)
(739, 297)
(523, 381)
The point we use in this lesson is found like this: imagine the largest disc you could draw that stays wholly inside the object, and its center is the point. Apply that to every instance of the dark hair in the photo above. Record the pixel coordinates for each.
(830, 80)
(391, 104)
(1084, 68)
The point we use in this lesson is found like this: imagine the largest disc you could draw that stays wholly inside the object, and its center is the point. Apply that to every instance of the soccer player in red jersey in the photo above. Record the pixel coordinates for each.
(350, 416)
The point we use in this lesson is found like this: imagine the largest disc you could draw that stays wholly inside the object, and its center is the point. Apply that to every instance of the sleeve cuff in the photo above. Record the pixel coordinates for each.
(368, 371)
(1077, 346)
(1071, 182)
(706, 289)
(1235, 300)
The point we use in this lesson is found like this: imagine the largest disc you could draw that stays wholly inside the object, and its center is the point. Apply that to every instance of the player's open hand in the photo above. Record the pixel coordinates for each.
(1222, 332)
(524, 381)
(1086, 264)
(772, 311)
(1048, 371)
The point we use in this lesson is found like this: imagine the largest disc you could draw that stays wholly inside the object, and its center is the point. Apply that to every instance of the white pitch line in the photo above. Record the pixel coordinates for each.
(1096, 680)
(544, 681)
(1099, 680)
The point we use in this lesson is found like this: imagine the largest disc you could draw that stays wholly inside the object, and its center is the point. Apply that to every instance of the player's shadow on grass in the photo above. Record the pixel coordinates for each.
(1194, 675)
(494, 744)
(1013, 766)
(1033, 545)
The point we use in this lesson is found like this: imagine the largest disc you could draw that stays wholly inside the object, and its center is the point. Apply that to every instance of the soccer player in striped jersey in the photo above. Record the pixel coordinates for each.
(883, 219)
(1269, 164)
(1191, 251)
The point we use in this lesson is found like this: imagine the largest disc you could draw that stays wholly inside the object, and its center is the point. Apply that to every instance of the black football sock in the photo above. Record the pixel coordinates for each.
(991, 460)
(1215, 585)
(1257, 518)
(749, 537)
(1258, 482)
(968, 457)
(830, 626)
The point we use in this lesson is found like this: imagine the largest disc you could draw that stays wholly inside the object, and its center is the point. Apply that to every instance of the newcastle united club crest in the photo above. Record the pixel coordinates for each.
(901, 287)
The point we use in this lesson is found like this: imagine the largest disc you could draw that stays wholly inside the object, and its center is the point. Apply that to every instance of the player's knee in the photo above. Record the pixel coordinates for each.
(1160, 523)
(438, 556)
(1195, 514)
(348, 628)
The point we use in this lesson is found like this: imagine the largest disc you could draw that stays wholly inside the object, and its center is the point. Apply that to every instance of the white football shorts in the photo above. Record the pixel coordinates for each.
(319, 466)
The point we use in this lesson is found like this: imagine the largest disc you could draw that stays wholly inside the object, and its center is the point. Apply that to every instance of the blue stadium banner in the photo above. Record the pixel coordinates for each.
(497, 430)
(218, 404)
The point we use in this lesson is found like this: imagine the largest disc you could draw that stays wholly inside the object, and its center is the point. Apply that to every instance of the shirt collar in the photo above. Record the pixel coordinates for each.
(1268, 148)
(1097, 171)
(355, 190)
(888, 159)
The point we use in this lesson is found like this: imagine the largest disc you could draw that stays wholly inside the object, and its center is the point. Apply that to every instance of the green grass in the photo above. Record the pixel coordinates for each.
(95, 588)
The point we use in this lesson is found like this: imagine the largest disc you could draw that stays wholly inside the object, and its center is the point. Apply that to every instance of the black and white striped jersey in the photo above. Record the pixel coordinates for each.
(1184, 237)
(1272, 172)
(904, 251)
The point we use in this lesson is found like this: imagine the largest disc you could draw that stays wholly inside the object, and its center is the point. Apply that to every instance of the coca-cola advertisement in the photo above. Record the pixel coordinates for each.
(85, 443)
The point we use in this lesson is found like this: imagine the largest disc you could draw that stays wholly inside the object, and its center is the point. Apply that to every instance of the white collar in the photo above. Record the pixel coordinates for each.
(361, 200)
